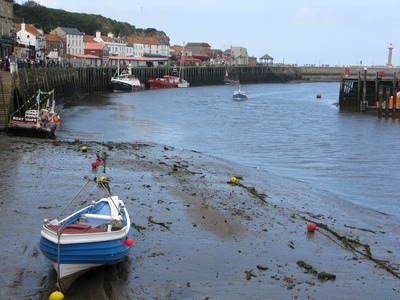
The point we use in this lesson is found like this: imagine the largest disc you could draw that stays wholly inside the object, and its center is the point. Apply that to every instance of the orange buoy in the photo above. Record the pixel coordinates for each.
(311, 227)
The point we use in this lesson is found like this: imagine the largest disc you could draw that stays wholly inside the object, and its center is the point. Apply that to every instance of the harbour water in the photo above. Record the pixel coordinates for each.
(282, 129)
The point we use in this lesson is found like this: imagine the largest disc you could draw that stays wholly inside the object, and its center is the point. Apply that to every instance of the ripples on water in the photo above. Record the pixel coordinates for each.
(282, 128)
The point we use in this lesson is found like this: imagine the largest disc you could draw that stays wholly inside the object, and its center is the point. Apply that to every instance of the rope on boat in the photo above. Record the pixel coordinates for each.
(74, 199)
(104, 184)
(58, 259)
(34, 99)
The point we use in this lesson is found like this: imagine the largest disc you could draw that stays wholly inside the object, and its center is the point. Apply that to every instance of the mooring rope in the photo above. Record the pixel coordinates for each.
(74, 199)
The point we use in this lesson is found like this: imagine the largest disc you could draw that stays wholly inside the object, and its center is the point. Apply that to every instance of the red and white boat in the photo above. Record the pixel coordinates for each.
(167, 81)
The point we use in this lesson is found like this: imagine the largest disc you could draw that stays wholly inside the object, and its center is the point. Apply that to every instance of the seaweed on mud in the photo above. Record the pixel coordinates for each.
(138, 227)
(322, 276)
(355, 246)
(251, 190)
(162, 224)
(249, 274)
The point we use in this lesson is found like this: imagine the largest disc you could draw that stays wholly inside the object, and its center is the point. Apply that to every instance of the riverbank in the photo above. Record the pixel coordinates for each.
(197, 236)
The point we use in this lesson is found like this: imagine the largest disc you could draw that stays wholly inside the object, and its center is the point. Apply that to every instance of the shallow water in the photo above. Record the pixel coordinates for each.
(282, 129)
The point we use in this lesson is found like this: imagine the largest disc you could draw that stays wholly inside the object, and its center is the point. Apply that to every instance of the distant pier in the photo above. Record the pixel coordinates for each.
(371, 91)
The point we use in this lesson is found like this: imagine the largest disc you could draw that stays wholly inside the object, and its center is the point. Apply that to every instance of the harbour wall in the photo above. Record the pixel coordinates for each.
(75, 82)
(336, 73)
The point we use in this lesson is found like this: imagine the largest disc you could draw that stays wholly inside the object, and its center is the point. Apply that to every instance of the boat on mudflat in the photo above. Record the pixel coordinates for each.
(97, 235)
(167, 81)
(230, 81)
(239, 95)
(125, 81)
(35, 117)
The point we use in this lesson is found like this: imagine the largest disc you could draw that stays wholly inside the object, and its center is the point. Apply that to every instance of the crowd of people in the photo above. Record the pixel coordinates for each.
(31, 63)
(5, 64)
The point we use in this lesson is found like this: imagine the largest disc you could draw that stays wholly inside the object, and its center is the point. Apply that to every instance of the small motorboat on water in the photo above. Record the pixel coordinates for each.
(97, 235)
(35, 117)
(239, 95)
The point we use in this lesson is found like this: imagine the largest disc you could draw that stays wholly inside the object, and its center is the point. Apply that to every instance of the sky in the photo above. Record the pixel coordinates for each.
(303, 32)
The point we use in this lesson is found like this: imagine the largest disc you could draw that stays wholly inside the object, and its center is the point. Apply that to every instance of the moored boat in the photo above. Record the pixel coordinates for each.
(182, 82)
(229, 81)
(167, 81)
(239, 95)
(125, 81)
(35, 117)
(97, 235)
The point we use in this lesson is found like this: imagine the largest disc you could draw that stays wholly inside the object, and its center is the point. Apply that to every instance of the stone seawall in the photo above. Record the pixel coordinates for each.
(335, 73)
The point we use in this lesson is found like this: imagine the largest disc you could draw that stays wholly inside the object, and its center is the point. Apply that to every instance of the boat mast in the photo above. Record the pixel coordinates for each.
(182, 63)
(53, 104)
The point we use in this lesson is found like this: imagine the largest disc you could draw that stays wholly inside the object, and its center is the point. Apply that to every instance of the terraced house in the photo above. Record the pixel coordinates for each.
(8, 34)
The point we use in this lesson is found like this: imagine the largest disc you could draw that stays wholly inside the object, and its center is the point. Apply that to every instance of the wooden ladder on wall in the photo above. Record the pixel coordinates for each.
(5, 95)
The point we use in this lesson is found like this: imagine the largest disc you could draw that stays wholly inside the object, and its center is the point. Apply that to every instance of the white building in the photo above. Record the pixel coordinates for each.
(239, 55)
(72, 40)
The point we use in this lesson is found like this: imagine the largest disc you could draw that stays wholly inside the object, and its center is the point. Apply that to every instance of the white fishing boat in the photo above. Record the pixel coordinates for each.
(124, 80)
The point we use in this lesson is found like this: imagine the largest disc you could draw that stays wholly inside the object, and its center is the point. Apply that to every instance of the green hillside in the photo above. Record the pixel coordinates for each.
(49, 19)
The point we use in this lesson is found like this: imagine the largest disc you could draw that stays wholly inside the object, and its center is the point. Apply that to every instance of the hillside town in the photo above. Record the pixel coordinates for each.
(28, 46)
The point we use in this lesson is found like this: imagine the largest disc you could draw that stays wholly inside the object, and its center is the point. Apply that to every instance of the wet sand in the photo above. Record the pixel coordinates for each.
(197, 236)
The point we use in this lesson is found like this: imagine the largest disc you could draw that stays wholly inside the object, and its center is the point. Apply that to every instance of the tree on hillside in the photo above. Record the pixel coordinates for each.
(49, 18)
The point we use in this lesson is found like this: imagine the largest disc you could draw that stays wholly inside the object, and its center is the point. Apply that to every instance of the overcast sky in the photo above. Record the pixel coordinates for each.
(334, 32)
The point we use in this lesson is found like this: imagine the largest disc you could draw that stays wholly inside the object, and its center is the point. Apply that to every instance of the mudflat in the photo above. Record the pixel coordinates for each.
(197, 235)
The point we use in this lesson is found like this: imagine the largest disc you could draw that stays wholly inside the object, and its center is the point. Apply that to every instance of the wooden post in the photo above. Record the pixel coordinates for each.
(380, 97)
(341, 91)
(364, 97)
(359, 89)
(376, 89)
(394, 95)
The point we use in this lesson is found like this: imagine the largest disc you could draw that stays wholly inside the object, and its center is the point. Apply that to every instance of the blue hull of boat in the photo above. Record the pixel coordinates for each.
(105, 252)
(239, 97)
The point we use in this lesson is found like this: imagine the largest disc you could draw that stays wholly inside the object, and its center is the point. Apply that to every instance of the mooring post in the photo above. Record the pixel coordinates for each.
(359, 88)
(394, 95)
(376, 89)
(364, 97)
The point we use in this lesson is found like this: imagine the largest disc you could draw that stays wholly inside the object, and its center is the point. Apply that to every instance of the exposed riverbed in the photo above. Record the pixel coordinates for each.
(196, 235)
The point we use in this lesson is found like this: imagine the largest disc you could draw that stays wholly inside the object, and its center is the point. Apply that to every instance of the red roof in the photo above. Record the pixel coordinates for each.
(84, 56)
(94, 46)
(52, 37)
(28, 28)
(201, 55)
(88, 39)
(137, 58)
